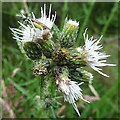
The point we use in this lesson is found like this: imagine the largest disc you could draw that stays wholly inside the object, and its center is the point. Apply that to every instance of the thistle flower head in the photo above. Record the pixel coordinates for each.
(91, 54)
(70, 89)
(35, 34)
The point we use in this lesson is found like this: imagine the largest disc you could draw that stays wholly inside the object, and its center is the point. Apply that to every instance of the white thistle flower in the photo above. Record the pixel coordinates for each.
(31, 33)
(70, 89)
(92, 55)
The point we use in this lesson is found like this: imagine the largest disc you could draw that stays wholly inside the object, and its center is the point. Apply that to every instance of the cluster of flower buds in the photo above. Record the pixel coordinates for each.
(59, 56)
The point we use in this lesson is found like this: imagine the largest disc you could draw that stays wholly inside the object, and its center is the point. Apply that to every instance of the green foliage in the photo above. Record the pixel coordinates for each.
(100, 18)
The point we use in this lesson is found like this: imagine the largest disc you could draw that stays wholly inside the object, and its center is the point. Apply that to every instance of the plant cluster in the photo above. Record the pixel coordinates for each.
(56, 58)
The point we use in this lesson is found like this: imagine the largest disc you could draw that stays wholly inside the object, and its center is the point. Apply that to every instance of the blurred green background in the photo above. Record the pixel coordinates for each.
(20, 86)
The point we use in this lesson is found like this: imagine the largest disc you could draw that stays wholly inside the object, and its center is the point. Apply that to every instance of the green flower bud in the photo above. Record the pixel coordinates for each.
(81, 75)
(60, 56)
(76, 59)
(48, 47)
(87, 76)
(69, 33)
(33, 50)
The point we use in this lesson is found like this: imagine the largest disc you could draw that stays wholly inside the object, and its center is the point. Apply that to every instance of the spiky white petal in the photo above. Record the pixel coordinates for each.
(70, 89)
(48, 21)
(93, 56)
(27, 33)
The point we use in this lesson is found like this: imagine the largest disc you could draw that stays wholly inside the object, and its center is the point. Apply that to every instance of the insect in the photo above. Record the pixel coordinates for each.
(36, 23)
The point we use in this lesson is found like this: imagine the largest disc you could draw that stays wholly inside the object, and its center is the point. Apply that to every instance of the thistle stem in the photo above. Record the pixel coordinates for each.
(53, 112)
(41, 86)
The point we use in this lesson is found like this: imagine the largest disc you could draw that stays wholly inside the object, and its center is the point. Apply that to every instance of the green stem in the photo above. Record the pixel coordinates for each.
(41, 86)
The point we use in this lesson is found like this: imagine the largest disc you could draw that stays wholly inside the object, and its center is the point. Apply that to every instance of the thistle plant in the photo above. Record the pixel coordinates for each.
(57, 61)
